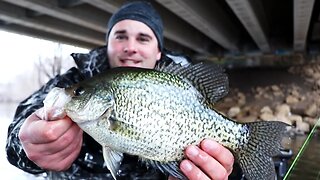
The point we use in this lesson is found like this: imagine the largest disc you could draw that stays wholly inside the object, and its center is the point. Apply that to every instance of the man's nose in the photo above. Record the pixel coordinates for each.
(130, 47)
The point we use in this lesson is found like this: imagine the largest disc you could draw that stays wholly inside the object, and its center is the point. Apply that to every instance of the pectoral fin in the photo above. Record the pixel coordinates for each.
(112, 159)
(108, 120)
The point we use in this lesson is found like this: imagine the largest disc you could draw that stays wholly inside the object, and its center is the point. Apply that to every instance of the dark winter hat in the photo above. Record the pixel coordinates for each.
(139, 11)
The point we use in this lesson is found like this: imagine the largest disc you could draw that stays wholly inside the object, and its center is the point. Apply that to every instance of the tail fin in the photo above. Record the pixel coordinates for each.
(255, 157)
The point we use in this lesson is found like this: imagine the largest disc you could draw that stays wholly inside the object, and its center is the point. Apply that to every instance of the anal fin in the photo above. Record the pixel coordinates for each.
(171, 168)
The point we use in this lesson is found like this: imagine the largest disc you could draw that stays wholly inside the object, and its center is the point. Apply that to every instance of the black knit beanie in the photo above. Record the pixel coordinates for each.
(139, 11)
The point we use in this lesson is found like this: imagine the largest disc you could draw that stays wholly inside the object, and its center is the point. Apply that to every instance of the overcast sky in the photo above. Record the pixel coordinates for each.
(18, 53)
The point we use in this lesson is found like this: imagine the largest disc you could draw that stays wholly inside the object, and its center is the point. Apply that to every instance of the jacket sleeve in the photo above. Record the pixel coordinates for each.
(15, 153)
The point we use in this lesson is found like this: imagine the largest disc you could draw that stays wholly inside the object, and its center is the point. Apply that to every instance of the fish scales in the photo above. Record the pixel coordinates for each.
(181, 114)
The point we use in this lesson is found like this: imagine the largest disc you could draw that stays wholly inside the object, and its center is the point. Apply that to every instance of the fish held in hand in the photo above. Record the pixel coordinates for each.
(156, 114)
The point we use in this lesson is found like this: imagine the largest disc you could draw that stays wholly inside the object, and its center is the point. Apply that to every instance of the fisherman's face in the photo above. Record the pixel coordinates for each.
(132, 44)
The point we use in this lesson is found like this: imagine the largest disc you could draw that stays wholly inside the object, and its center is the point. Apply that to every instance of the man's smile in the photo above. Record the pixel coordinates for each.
(130, 62)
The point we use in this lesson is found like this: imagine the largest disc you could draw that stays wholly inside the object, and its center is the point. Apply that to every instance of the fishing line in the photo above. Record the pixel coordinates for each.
(306, 142)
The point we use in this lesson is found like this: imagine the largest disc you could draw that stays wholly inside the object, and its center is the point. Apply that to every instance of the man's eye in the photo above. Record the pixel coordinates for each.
(79, 91)
(120, 37)
(143, 39)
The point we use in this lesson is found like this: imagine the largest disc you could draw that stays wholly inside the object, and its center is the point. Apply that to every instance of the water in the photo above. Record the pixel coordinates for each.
(6, 169)
(306, 163)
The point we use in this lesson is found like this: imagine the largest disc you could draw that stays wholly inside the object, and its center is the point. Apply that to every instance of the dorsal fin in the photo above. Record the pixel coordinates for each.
(209, 79)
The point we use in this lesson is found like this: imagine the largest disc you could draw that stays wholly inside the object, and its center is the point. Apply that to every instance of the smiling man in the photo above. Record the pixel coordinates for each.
(132, 43)
(60, 148)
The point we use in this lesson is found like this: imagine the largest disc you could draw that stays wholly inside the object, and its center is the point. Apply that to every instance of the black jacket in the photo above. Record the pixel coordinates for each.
(89, 164)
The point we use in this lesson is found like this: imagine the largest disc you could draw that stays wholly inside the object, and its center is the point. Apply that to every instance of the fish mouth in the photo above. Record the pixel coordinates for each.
(57, 97)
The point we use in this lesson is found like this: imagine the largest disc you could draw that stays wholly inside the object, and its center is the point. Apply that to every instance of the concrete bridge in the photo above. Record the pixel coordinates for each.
(201, 28)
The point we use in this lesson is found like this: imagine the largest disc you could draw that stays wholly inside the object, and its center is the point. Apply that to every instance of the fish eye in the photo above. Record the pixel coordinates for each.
(79, 91)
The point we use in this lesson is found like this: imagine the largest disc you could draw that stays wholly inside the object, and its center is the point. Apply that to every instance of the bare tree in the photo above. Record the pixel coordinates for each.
(48, 68)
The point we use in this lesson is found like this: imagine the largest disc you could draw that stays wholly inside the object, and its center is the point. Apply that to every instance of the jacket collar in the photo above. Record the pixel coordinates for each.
(93, 62)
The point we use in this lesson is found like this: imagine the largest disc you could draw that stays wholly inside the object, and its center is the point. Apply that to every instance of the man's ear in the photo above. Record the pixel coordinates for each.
(159, 55)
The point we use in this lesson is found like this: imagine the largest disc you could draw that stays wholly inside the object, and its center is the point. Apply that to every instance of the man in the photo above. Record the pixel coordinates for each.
(59, 146)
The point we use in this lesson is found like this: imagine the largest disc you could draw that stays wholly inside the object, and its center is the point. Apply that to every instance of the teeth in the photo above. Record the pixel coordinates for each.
(130, 62)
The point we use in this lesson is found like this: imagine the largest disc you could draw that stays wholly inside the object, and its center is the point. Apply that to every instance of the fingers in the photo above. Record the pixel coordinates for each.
(63, 159)
(192, 171)
(209, 161)
(70, 137)
(201, 165)
(52, 145)
(60, 160)
(38, 131)
(219, 153)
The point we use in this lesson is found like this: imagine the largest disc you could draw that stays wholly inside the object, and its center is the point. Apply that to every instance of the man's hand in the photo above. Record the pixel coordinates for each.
(51, 144)
(210, 161)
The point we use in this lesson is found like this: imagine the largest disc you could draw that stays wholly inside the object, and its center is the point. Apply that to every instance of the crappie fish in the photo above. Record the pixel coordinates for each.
(156, 114)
